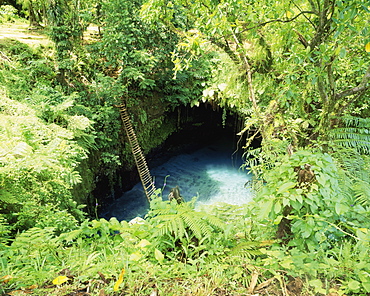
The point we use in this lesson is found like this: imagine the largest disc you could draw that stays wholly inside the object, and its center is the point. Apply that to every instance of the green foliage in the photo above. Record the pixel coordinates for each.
(100, 249)
(137, 57)
(353, 132)
(7, 13)
(37, 172)
(356, 167)
(180, 220)
(299, 90)
(4, 232)
(320, 212)
(25, 69)
(296, 58)
(345, 262)
(135, 50)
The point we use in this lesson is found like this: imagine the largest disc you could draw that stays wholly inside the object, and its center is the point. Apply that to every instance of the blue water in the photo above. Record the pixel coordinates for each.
(211, 173)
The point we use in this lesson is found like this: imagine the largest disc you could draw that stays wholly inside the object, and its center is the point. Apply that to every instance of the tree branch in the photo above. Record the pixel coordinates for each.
(322, 90)
(312, 5)
(216, 42)
(363, 85)
(323, 28)
(279, 20)
(302, 39)
(331, 77)
(305, 16)
(226, 48)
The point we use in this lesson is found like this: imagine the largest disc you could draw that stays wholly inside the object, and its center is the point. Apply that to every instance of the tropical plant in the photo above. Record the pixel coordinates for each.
(290, 69)
(352, 132)
(181, 228)
(37, 167)
(305, 198)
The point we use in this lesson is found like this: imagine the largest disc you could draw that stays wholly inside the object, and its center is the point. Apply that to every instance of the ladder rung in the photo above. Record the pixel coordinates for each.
(144, 173)
(142, 164)
(147, 180)
(144, 170)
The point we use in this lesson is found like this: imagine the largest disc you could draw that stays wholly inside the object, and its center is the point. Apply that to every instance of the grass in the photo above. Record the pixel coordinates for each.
(19, 30)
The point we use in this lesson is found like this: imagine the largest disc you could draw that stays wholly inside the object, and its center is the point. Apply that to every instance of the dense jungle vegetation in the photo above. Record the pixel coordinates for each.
(298, 72)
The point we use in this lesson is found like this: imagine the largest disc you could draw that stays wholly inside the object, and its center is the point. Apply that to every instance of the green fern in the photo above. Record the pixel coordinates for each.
(356, 178)
(353, 132)
(362, 192)
(181, 220)
(6, 197)
(247, 249)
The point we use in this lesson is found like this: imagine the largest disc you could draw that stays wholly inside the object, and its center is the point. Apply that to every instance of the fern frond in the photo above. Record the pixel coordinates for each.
(69, 102)
(180, 220)
(161, 230)
(356, 121)
(215, 222)
(246, 249)
(175, 225)
(7, 197)
(362, 192)
(181, 228)
(351, 160)
(193, 223)
(353, 132)
(355, 179)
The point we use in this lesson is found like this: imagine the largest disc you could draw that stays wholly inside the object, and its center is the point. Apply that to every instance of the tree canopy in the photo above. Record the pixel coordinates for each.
(296, 69)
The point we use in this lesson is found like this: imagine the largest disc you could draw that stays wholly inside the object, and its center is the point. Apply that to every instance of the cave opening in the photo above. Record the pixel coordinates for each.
(199, 157)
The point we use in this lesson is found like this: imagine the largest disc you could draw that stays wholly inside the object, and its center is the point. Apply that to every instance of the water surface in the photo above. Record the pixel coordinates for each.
(211, 173)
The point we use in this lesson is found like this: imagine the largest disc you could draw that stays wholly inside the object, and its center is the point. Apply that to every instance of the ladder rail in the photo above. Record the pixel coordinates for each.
(141, 164)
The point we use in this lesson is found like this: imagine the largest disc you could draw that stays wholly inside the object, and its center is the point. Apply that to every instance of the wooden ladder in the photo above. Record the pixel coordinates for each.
(142, 167)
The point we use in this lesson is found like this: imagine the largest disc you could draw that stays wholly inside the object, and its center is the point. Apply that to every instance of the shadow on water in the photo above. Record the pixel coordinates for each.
(211, 173)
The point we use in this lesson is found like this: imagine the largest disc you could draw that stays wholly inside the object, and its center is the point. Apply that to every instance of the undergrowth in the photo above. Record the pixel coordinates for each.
(149, 257)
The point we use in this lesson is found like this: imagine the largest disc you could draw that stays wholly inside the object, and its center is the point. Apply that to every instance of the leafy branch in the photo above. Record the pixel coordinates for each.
(361, 87)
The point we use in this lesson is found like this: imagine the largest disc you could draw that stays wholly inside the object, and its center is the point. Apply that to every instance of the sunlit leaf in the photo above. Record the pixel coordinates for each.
(267, 208)
(277, 208)
(136, 256)
(119, 281)
(317, 284)
(222, 86)
(354, 285)
(143, 243)
(367, 47)
(342, 52)
(286, 187)
(60, 280)
(340, 208)
(158, 255)
(287, 263)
